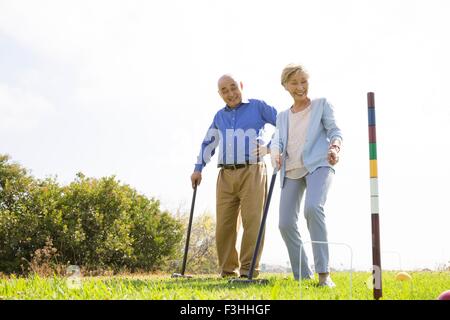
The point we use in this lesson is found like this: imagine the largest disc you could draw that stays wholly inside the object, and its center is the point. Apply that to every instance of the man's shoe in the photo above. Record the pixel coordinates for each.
(245, 274)
(228, 275)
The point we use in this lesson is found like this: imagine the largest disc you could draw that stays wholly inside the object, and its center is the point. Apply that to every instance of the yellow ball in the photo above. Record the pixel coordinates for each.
(403, 276)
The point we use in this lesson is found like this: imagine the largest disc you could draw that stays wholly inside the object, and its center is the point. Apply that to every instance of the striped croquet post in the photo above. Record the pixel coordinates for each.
(376, 257)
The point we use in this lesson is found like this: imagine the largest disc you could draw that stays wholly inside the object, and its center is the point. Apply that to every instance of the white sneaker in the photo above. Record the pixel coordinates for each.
(327, 283)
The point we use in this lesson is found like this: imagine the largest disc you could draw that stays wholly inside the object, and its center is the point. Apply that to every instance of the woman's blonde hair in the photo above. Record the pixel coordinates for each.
(291, 69)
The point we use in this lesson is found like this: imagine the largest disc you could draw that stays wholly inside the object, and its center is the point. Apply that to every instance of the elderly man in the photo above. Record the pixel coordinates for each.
(242, 180)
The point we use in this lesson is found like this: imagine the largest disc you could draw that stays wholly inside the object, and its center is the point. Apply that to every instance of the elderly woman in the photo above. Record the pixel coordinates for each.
(305, 148)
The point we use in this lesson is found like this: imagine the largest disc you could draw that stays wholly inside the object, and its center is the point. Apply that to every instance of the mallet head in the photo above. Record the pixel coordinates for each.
(179, 275)
(248, 281)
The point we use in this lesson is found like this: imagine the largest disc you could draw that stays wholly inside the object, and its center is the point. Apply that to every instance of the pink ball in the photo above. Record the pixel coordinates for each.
(444, 295)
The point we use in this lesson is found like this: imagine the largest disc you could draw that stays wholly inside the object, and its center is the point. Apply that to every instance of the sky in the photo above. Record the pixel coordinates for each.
(129, 88)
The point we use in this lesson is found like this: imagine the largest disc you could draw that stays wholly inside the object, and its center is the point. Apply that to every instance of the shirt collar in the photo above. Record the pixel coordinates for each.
(244, 101)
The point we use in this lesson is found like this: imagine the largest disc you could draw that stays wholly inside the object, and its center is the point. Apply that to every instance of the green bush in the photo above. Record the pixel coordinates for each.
(96, 223)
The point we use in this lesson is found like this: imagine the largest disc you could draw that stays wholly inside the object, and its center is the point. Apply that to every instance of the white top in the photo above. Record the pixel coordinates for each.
(298, 126)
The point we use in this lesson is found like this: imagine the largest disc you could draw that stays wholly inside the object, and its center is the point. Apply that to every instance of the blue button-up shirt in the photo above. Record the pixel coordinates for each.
(236, 131)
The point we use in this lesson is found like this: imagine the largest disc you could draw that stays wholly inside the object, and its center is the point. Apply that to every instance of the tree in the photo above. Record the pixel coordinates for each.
(202, 254)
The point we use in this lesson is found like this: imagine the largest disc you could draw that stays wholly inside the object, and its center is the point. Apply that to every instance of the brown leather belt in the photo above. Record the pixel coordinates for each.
(232, 166)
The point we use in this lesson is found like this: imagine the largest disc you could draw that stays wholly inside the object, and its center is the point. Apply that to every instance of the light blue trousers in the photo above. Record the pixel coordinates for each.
(316, 185)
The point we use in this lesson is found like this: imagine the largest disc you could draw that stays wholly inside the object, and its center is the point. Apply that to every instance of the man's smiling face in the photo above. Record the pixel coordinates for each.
(230, 91)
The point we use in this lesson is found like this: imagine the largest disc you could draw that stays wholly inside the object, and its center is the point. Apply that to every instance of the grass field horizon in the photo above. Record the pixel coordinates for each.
(423, 286)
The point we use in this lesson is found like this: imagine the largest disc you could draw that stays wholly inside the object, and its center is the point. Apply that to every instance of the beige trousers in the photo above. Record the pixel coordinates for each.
(239, 191)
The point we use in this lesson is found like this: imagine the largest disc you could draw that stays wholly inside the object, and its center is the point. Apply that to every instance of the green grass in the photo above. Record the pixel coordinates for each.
(424, 286)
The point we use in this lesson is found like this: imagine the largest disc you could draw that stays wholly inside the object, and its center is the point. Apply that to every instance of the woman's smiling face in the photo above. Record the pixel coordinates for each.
(297, 85)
